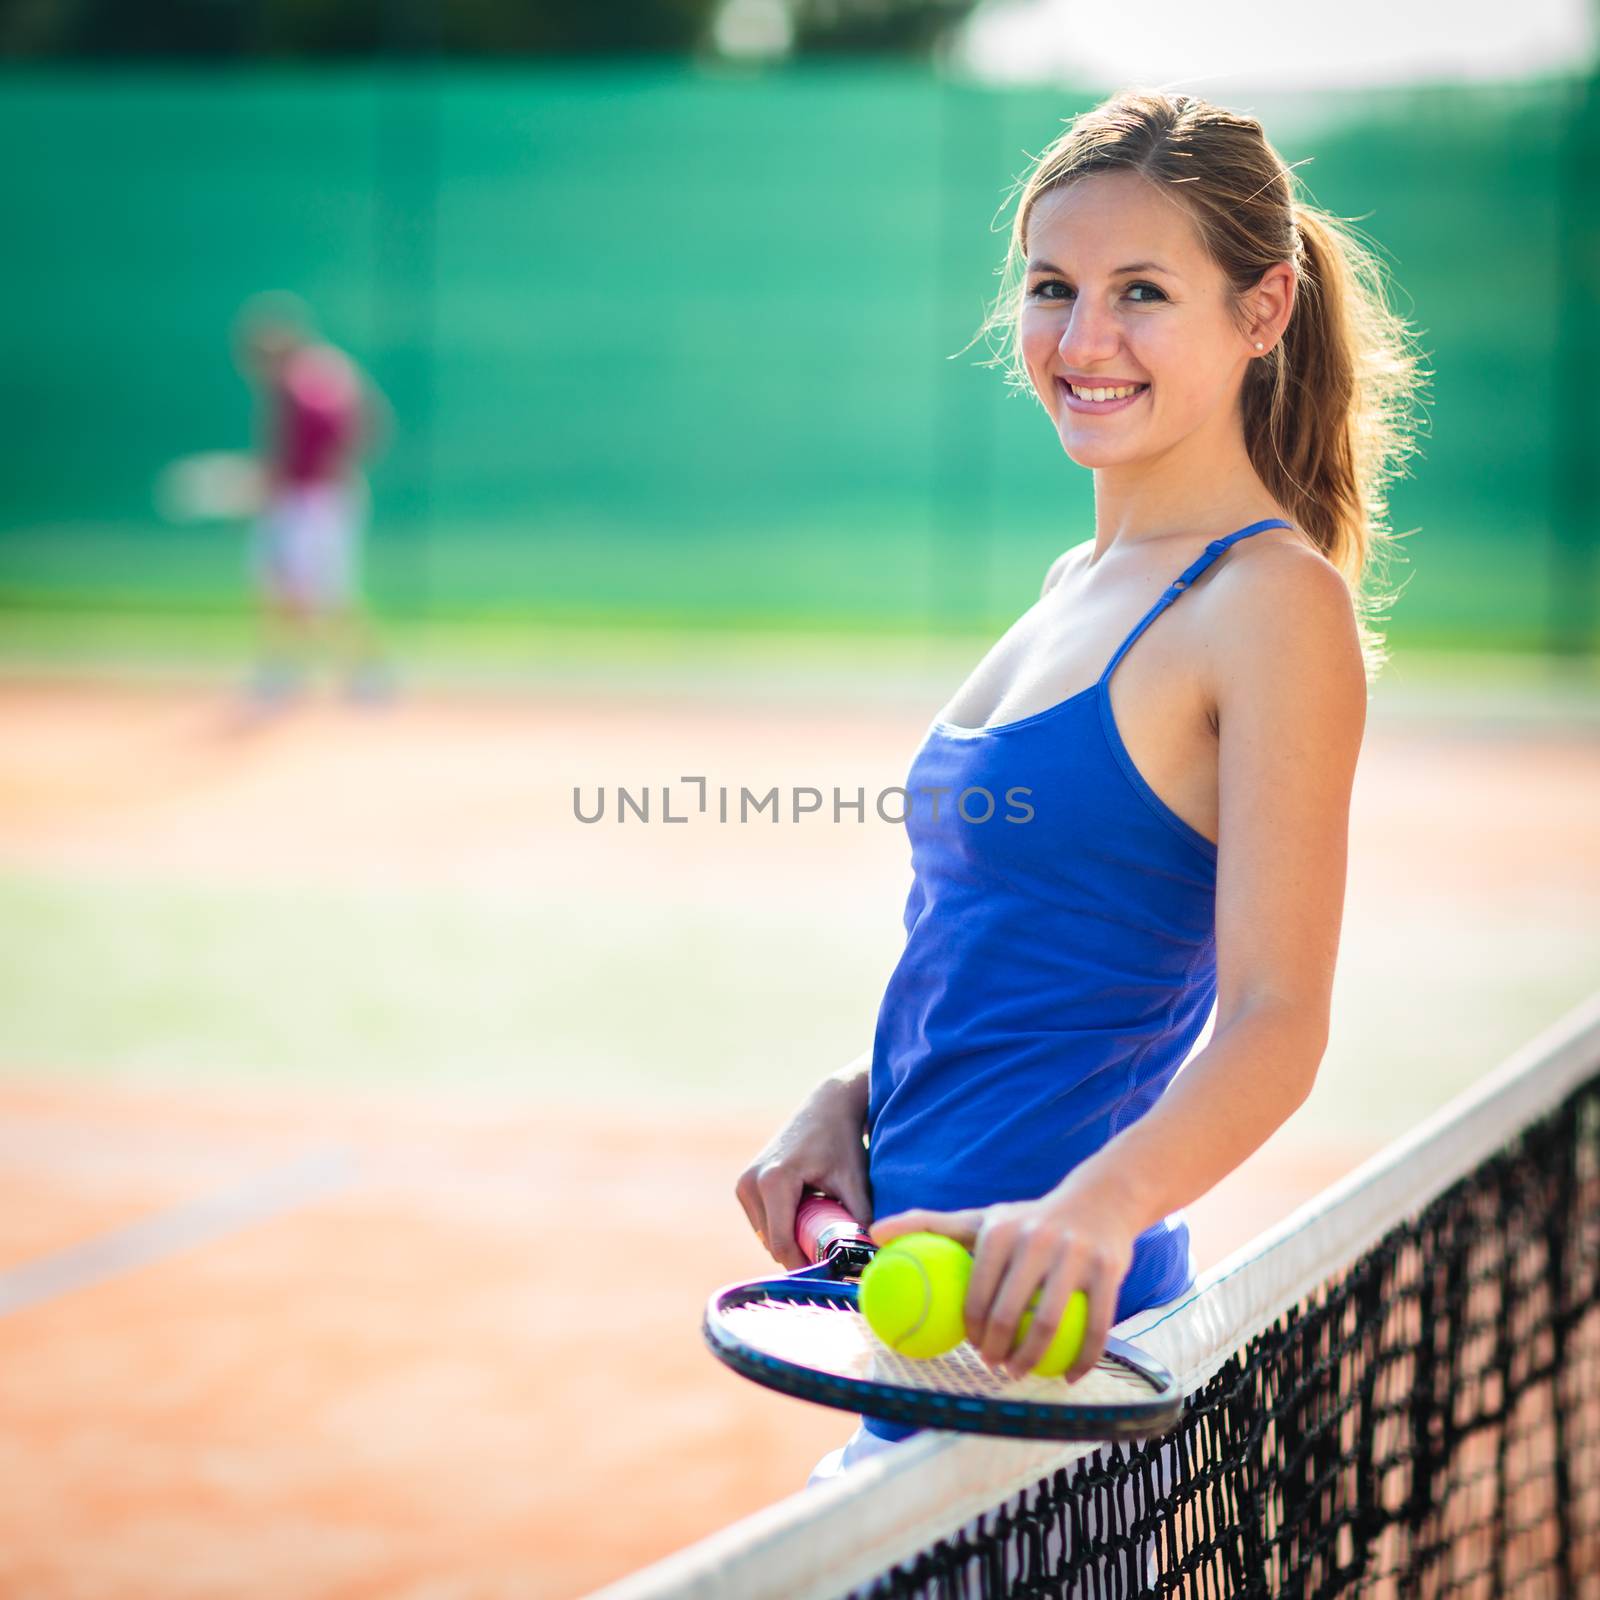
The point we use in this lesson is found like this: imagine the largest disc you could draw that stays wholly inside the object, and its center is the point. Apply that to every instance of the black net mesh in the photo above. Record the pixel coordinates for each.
(1425, 1424)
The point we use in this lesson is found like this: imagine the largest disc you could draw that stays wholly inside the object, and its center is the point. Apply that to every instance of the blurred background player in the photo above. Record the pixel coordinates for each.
(318, 414)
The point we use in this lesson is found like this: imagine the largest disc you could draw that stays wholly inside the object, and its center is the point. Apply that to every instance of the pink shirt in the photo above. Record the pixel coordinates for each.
(319, 417)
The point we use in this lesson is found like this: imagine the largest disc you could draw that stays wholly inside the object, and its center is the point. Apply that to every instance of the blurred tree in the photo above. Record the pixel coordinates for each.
(874, 27)
(122, 29)
(100, 29)
(220, 28)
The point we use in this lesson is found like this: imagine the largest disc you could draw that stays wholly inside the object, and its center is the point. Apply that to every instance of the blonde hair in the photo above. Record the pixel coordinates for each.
(1329, 412)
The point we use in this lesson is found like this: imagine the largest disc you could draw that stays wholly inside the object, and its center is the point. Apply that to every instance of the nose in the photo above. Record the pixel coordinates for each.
(1090, 338)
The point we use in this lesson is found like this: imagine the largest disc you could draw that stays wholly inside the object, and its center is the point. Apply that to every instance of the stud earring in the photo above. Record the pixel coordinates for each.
(1259, 345)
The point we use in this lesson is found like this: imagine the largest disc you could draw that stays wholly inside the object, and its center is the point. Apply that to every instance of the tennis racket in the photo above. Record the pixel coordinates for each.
(804, 1335)
(211, 486)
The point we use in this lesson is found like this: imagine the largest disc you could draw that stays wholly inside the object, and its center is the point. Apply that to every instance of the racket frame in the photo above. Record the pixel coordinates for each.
(832, 1281)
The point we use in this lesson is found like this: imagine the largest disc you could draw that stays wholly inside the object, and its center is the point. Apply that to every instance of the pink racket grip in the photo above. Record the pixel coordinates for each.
(822, 1225)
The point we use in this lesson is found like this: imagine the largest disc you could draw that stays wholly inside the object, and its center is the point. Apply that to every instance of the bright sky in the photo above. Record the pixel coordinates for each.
(1215, 47)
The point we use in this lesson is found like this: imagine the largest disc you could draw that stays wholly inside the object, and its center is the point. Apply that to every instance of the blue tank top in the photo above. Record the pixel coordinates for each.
(1059, 965)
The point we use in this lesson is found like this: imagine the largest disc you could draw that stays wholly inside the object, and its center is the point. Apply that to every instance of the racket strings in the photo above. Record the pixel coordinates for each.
(837, 1339)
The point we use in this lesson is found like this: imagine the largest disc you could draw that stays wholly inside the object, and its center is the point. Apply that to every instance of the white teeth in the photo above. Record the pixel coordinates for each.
(1103, 394)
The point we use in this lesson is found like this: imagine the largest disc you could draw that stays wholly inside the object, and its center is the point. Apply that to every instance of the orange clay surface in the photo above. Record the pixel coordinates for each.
(420, 1381)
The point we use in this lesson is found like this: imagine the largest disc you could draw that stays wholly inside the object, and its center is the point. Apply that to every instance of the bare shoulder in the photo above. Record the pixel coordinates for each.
(1064, 563)
(1284, 613)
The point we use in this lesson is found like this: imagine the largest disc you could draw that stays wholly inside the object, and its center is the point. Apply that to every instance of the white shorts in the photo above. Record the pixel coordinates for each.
(306, 547)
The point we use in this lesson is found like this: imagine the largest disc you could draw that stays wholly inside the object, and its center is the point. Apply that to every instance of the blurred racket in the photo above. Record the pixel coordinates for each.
(211, 486)
(804, 1335)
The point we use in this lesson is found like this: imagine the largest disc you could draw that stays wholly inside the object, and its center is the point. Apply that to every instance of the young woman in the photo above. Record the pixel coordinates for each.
(1182, 709)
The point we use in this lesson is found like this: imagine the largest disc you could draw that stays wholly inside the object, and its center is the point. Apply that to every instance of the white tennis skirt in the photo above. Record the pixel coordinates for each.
(857, 1447)
(307, 544)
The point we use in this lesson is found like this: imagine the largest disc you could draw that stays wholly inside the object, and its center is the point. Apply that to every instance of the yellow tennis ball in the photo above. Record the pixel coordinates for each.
(913, 1291)
(1063, 1349)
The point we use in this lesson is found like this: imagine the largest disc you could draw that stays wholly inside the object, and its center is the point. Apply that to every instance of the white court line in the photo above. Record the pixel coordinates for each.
(179, 1228)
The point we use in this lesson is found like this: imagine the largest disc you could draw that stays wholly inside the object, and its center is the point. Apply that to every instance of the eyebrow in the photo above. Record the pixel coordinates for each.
(1133, 266)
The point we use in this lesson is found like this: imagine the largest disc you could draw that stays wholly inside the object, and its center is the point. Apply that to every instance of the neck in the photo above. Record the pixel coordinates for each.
(1201, 488)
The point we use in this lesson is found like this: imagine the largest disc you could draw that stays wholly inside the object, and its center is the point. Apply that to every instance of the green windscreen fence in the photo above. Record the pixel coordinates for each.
(672, 343)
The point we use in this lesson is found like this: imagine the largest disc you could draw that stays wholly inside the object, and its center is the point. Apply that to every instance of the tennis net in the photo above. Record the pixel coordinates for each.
(1394, 1392)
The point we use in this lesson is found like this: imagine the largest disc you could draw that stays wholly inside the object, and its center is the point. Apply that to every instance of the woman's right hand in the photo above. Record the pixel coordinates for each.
(820, 1147)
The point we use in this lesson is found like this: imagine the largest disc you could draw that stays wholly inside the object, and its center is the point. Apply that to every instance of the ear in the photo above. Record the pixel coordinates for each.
(1271, 304)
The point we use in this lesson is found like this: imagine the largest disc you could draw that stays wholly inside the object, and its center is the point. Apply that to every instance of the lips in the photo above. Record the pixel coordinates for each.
(1098, 408)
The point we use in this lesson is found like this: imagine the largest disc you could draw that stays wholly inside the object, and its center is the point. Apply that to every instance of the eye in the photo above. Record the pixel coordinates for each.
(1056, 283)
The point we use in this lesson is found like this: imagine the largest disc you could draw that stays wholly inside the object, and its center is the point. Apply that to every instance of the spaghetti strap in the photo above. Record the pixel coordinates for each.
(1179, 584)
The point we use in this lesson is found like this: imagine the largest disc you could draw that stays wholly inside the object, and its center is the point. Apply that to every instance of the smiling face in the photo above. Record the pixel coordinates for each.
(1120, 291)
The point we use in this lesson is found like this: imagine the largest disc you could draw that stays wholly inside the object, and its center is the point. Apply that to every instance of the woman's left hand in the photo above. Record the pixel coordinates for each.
(1055, 1244)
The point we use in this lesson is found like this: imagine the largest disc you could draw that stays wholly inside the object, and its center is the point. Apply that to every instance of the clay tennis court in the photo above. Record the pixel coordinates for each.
(360, 1246)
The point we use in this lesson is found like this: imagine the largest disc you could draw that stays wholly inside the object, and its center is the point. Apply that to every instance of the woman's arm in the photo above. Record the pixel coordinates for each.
(1290, 693)
(1287, 679)
(855, 1081)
